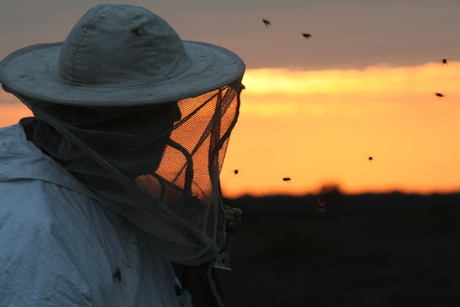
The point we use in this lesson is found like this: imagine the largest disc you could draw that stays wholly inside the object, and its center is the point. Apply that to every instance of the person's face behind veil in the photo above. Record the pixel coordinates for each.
(133, 139)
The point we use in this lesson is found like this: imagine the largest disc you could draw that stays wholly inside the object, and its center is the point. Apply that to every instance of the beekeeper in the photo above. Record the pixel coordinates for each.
(117, 173)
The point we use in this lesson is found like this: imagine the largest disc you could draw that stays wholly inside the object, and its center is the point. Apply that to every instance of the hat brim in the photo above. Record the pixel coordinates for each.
(30, 72)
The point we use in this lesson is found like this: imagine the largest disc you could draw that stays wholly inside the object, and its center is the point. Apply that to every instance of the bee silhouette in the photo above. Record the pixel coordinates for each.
(444, 61)
(266, 22)
(287, 179)
(320, 206)
(138, 31)
(370, 158)
(439, 95)
(306, 35)
(117, 275)
(236, 172)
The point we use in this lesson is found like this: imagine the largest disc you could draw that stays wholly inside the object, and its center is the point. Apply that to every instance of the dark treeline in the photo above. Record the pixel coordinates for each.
(395, 203)
(390, 249)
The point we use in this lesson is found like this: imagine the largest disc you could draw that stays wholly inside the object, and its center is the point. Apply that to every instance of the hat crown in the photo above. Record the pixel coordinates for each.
(121, 45)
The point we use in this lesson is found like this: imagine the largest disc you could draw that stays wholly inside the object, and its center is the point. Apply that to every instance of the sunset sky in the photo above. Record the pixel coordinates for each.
(313, 110)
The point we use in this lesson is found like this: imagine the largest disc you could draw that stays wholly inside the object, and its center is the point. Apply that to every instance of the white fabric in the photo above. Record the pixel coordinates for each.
(59, 247)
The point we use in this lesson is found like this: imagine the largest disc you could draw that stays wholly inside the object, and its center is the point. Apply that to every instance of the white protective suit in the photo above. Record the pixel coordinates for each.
(61, 247)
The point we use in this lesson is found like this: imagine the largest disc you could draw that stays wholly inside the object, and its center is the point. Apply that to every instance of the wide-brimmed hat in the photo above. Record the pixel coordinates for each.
(119, 55)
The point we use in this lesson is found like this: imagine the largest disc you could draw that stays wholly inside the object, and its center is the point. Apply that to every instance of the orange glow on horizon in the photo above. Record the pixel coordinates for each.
(320, 127)
(12, 110)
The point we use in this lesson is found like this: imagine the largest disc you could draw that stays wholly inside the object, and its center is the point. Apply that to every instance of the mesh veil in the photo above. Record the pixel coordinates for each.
(159, 165)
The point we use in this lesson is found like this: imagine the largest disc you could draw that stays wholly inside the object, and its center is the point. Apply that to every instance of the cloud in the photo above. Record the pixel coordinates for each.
(372, 79)
(374, 90)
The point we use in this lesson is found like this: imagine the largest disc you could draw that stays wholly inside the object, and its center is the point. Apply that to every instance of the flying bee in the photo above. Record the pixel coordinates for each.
(444, 61)
(320, 206)
(306, 35)
(266, 22)
(236, 172)
(287, 179)
(439, 95)
(370, 158)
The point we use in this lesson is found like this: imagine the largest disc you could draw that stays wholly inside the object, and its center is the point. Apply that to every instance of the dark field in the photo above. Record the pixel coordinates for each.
(365, 250)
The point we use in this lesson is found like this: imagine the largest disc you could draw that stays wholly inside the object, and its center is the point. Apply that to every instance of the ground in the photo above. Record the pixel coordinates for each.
(365, 250)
